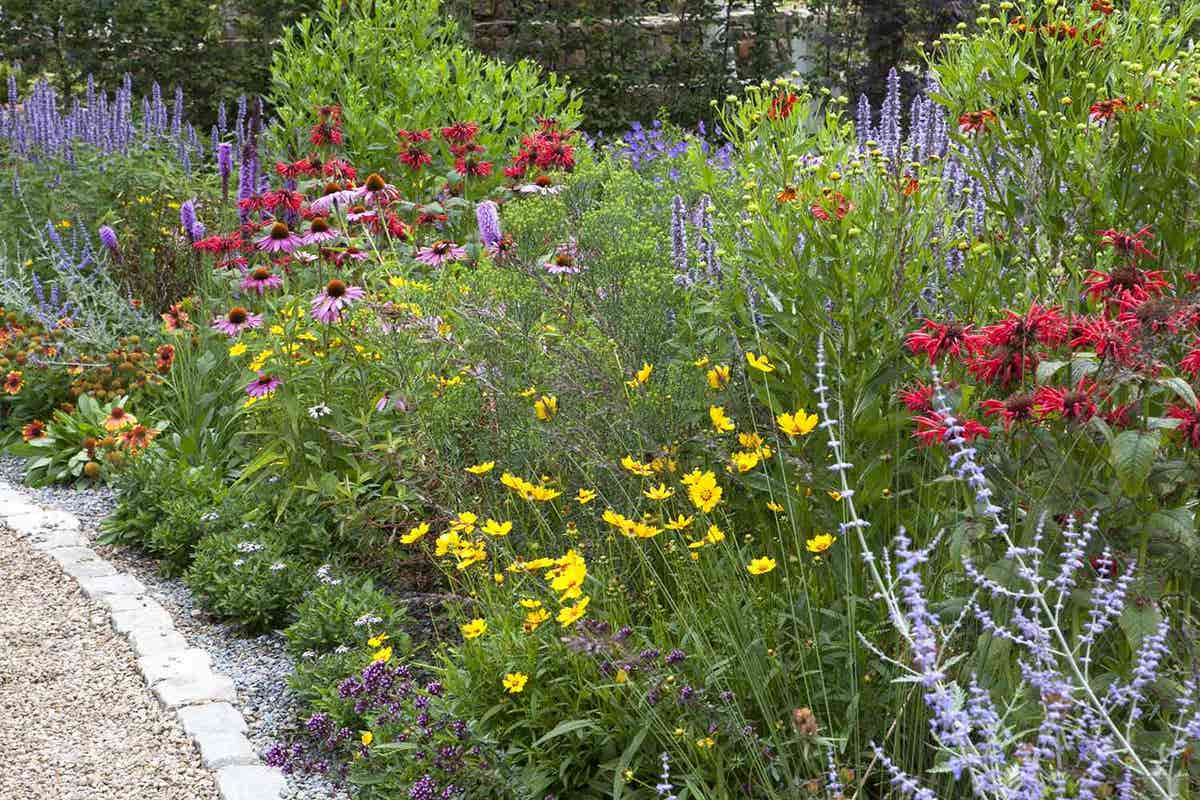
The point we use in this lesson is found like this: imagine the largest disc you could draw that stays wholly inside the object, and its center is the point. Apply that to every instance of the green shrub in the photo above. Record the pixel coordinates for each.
(393, 64)
(344, 612)
(248, 575)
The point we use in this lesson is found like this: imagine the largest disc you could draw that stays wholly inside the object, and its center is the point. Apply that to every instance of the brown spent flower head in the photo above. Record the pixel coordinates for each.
(805, 722)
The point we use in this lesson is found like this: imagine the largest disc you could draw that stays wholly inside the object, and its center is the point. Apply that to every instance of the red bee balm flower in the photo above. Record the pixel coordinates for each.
(1130, 244)
(936, 340)
(1189, 427)
(1015, 408)
(917, 398)
(974, 122)
(1191, 362)
(1076, 404)
(1128, 279)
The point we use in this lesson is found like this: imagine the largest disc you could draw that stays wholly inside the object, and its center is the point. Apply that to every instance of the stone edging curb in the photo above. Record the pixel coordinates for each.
(180, 676)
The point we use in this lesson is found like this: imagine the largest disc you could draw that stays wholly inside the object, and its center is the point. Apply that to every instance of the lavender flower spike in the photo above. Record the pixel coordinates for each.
(487, 215)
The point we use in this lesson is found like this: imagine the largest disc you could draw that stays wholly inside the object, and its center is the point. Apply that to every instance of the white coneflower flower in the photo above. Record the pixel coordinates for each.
(319, 410)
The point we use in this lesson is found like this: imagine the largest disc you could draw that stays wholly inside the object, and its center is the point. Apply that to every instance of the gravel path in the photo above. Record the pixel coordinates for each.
(258, 666)
(76, 719)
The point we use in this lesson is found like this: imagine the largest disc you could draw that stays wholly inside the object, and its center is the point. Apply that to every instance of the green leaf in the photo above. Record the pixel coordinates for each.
(627, 757)
(1182, 389)
(1131, 456)
(1138, 623)
(565, 727)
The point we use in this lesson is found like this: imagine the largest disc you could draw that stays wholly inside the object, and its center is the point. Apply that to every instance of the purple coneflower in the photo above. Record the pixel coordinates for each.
(375, 191)
(359, 213)
(279, 239)
(330, 200)
(263, 385)
(260, 279)
(108, 238)
(564, 260)
(387, 401)
(237, 320)
(327, 306)
(440, 252)
(319, 231)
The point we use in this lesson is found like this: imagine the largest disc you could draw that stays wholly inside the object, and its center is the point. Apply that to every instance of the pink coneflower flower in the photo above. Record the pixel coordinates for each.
(260, 279)
(263, 385)
(279, 239)
(327, 306)
(564, 260)
(375, 191)
(237, 320)
(330, 200)
(319, 231)
(440, 252)
(359, 213)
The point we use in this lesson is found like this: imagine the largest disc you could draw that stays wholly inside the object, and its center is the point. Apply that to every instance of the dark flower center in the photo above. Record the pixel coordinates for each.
(117, 413)
(260, 273)
(563, 260)
(319, 225)
(441, 248)
(332, 187)
(375, 182)
(543, 180)
(238, 315)
(279, 231)
(335, 288)
(359, 209)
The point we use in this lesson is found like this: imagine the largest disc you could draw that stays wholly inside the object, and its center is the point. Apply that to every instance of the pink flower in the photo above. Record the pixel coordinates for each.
(263, 385)
(440, 252)
(237, 320)
(319, 231)
(328, 305)
(279, 239)
(564, 260)
(325, 203)
(375, 191)
(259, 280)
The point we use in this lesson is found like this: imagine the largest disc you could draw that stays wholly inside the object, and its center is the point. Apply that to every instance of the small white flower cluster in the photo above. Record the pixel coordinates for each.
(325, 575)
(249, 547)
(367, 619)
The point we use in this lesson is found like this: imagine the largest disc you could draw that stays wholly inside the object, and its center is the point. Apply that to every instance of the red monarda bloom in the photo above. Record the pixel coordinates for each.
(1191, 361)
(460, 132)
(295, 169)
(1189, 424)
(281, 200)
(1127, 279)
(555, 154)
(415, 158)
(1132, 245)
(932, 428)
(220, 244)
(1015, 408)
(974, 122)
(938, 339)
(1003, 365)
(1110, 340)
(1043, 324)
(340, 170)
(470, 167)
(782, 105)
(918, 398)
(415, 137)
(1077, 404)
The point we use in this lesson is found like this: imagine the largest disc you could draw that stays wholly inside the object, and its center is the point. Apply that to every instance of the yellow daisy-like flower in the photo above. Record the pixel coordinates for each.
(819, 543)
(773, 506)
(798, 424)
(745, 460)
(637, 467)
(718, 377)
(703, 490)
(720, 422)
(376, 641)
(415, 534)
(660, 492)
(260, 360)
(534, 619)
(545, 408)
(760, 566)
(760, 363)
(494, 528)
(482, 469)
(714, 535)
(705, 743)
(530, 602)
(569, 615)
(701, 362)
(474, 629)
(530, 392)
(383, 655)
(464, 523)
(585, 496)
(238, 349)
(514, 682)
(680, 523)
(836, 496)
(367, 738)
(640, 377)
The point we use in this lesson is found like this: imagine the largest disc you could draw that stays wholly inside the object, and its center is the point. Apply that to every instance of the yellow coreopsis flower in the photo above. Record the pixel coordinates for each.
(703, 490)
(384, 655)
(714, 535)
(640, 377)
(585, 496)
(415, 534)
(720, 422)
(474, 629)
(482, 469)
(533, 619)
(701, 362)
(238, 349)
(376, 641)
(637, 467)
(680, 522)
(660, 492)
(798, 424)
(494, 528)
(718, 377)
(545, 408)
(773, 506)
(530, 602)
(367, 738)
(760, 566)
(260, 360)
(745, 460)
(569, 615)
(819, 543)
(514, 682)
(530, 392)
(463, 523)
(760, 363)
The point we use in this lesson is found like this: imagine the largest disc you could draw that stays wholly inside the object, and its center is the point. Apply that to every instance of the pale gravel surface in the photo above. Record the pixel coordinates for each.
(77, 721)
(258, 666)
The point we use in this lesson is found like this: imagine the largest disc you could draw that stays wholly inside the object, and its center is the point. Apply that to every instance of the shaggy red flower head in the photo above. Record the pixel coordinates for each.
(938, 339)
(460, 132)
(1003, 365)
(1132, 245)
(1077, 404)
(220, 244)
(281, 200)
(1111, 340)
(932, 428)
(1044, 324)
(974, 122)
(555, 155)
(295, 169)
(470, 167)
(1191, 362)
(415, 158)
(782, 105)
(1123, 416)
(1105, 110)
(415, 137)
(1126, 280)
(917, 398)
(1189, 424)
(1014, 408)
(339, 169)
